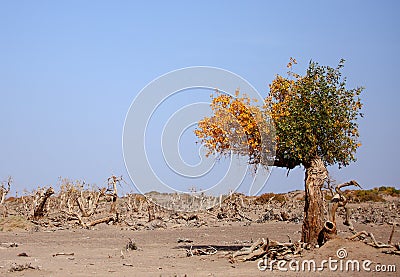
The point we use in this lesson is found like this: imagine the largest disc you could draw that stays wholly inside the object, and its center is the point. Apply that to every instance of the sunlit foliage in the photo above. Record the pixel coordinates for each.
(312, 115)
(238, 126)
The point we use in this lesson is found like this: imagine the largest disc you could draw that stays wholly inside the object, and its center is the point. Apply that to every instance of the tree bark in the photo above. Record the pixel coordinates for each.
(316, 174)
(40, 203)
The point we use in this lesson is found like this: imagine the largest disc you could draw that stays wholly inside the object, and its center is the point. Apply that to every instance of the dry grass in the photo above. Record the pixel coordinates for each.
(12, 223)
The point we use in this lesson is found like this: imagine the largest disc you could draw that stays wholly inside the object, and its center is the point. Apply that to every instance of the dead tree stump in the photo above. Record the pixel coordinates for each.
(338, 200)
(39, 204)
(4, 190)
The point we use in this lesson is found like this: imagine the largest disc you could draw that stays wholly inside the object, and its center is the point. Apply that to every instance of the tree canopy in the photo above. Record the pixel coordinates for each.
(240, 127)
(310, 115)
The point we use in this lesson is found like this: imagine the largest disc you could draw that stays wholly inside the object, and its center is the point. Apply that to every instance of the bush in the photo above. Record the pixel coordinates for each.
(364, 195)
(389, 191)
(374, 195)
(264, 198)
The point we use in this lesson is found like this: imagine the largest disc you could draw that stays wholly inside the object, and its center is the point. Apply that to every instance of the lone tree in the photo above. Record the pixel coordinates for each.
(315, 121)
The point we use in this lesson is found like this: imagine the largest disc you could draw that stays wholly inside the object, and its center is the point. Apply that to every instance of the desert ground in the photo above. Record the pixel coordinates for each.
(146, 240)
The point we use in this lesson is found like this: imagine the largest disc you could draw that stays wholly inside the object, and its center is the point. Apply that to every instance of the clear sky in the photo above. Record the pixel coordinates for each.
(69, 71)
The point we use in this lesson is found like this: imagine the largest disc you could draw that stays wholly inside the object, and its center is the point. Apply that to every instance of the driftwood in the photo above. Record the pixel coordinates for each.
(270, 248)
(108, 219)
(200, 251)
(363, 235)
(256, 250)
(63, 254)
(21, 267)
(9, 244)
(393, 252)
(176, 216)
(180, 240)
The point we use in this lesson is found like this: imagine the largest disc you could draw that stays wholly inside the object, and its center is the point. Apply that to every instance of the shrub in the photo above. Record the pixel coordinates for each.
(392, 191)
(364, 195)
(264, 198)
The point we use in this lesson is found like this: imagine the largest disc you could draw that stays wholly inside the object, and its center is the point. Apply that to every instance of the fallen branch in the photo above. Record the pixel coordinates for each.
(198, 251)
(179, 240)
(21, 267)
(391, 234)
(271, 248)
(255, 245)
(358, 234)
(392, 252)
(107, 219)
(63, 254)
(9, 244)
(377, 244)
(374, 243)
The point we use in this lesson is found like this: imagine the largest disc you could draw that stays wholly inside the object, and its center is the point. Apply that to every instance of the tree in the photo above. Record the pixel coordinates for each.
(315, 124)
(238, 126)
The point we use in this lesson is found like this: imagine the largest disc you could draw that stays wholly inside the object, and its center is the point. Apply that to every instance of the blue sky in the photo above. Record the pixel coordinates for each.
(69, 71)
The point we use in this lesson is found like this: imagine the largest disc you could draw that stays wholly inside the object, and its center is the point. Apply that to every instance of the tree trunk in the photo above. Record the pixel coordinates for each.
(316, 174)
(40, 203)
